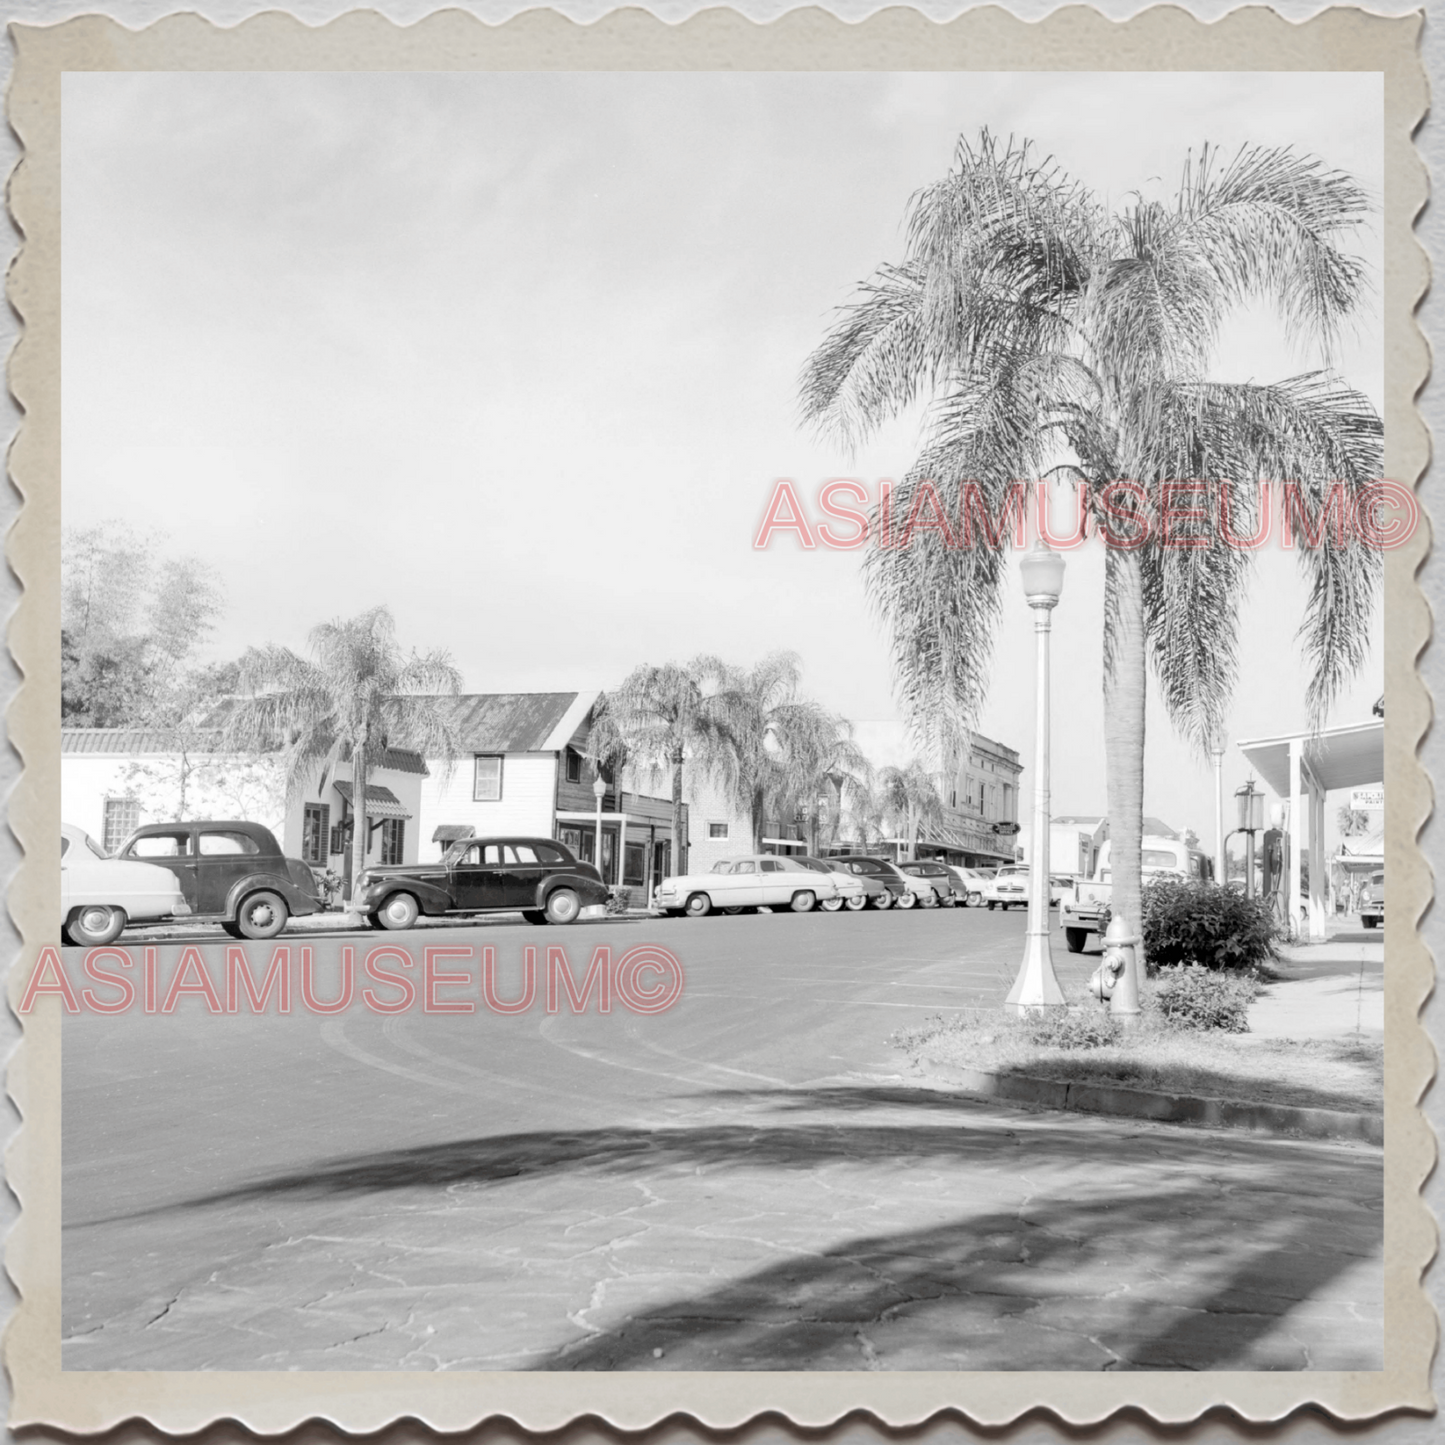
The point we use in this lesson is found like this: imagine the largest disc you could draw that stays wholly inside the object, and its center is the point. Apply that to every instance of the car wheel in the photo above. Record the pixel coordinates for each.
(1076, 938)
(563, 906)
(803, 902)
(399, 911)
(262, 915)
(928, 900)
(96, 924)
(857, 902)
(1368, 922)
(906, 900)
(974, 900)
(733, 911)
(883, 901)
(698, 906)
(534, 915)
(831, 905)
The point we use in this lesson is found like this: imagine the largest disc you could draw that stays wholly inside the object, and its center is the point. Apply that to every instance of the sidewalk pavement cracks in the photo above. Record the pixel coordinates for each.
(1334, 989)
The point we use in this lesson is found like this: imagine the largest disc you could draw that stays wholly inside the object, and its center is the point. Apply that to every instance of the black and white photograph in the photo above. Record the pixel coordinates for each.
(723, 722)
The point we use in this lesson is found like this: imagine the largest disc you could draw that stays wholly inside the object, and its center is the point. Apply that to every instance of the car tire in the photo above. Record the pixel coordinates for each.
(373, 920)
(399, 911)
(95, 924)
(804, 901)
(1076, 938)
(831, 905)
(974, 900)
(857, 902)
(908, 899)
(1368, 922)
(883, 901)
(262, 915)
(563, 906)
(698, 905)
(534, 915)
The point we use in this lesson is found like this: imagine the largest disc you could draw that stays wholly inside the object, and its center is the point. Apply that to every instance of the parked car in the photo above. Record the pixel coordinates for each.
(903, 891)
(1372, 901)
(231, 873)
(876, 892)
(99, 895)
(852, 893)
(536, 877)
(971, 881)
(941, 882)
(761, 880)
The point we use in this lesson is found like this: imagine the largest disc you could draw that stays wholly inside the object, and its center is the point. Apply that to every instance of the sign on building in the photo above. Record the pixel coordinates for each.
(1363, 799)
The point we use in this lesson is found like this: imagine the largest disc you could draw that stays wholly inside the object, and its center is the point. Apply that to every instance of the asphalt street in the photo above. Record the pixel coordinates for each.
(747, 1181)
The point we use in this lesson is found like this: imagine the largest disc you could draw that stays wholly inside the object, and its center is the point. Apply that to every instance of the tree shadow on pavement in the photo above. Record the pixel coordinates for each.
(1148, 1281)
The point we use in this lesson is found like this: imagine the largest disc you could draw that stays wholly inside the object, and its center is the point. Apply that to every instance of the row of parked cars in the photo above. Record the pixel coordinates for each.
(855, 881)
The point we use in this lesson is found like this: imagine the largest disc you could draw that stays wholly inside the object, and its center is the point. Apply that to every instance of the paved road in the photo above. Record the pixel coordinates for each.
(747, 1181)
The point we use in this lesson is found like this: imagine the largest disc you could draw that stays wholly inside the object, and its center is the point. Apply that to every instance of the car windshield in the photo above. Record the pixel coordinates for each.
(1377, 880)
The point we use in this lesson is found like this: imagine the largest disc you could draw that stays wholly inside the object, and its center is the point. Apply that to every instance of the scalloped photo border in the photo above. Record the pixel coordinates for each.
(1077, 38)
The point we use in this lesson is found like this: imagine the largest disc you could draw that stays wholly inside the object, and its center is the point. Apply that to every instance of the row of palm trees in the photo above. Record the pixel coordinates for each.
(769, 751)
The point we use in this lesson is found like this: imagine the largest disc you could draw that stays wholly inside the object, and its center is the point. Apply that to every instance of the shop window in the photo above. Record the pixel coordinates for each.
(315, 825)
(487, 779)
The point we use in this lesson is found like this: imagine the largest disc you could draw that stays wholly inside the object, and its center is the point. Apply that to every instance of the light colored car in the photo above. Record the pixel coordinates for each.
(99, 895)
(876, 892)
(1372, 901)
(852, 891)
(761, 880)
(940, 880)
(972, 882)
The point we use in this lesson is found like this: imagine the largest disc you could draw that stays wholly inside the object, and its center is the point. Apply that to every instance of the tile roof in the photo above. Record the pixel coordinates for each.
(380, 802)
(115, 741)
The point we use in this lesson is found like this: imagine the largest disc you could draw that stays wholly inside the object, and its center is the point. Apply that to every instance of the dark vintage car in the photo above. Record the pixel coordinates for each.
(231, 873)
(885, 872)
(537, 877)
(939, 878)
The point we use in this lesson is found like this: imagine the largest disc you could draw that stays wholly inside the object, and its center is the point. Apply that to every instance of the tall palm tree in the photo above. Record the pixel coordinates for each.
(361, 694)
(1056, 337)
(911, 799)
(760, 734)
(652, 720)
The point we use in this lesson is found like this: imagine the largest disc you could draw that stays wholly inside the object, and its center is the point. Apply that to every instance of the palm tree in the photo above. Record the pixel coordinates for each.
(360, 695)
(761, 738)
(910, 797)
(652, 720)
(823, 766)
(1058, 338)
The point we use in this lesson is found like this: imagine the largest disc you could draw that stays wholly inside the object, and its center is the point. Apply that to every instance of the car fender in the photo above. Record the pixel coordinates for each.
(589, 890)
(297, 902)
(431, 898)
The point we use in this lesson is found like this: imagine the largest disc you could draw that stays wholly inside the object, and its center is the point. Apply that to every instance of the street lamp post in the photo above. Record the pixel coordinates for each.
(598, 789)
(1216, 752)
(1036, 987)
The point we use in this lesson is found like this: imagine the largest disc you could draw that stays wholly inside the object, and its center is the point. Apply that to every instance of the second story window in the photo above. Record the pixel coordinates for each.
(574, 766)
(487, 780)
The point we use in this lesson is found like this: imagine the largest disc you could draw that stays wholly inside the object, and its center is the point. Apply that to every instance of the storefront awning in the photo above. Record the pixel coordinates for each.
(380, 802)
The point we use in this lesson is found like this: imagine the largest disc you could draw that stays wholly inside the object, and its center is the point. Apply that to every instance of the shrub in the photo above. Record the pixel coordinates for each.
(1195, 922)
(1199, 998)
(1065, 1029)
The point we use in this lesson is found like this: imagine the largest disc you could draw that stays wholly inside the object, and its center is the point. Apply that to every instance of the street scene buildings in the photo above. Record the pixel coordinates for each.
(519, 994)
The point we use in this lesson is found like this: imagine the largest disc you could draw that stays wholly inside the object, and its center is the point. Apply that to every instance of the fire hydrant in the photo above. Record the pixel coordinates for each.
(1116, 980)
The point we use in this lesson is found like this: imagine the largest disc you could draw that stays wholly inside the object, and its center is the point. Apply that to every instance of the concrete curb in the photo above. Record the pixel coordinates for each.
(1088, 1098)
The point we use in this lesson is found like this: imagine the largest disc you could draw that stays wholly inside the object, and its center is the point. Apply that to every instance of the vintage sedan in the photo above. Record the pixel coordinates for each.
(876, 892)
(762, 880)
(99, 895)
(852, 888)
(903, 891)
(232, 873)
(940, 880)
(536, 877)
(1009, 887)
(973, 881)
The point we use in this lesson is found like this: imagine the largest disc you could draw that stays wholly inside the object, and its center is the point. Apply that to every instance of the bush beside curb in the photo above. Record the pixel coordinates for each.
(1090, 1098)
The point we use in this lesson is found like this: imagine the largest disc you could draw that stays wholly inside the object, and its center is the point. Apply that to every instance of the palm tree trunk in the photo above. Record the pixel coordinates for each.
(679, 863)
(358, 823)
(1124, 694)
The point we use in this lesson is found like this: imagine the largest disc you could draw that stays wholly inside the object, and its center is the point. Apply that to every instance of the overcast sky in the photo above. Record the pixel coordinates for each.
(517, 355)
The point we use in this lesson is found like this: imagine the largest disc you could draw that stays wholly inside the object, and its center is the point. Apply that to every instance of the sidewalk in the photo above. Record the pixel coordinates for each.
(1323, 990)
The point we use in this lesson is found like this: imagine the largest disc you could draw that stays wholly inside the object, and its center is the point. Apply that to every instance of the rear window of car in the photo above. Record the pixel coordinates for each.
(550, 855)
(521, 853)
(212, 845)
(770, 865)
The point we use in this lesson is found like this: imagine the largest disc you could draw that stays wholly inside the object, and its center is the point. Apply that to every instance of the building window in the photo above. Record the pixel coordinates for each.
(341, 838)
(634, 861)
(122, 818)
(393, 840)
(315, 825)
(487, 781)
(717, 830)
(574, 766)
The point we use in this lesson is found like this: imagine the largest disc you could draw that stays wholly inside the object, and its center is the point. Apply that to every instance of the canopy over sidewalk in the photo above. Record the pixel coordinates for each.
(1302, 768)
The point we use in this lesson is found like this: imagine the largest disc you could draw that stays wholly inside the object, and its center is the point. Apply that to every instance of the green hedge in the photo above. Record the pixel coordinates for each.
(1194, 922)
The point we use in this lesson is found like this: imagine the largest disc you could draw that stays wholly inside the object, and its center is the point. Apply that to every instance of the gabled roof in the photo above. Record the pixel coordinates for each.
(516, 722)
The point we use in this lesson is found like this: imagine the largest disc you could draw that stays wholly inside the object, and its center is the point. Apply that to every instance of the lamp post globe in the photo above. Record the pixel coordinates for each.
(1036, 987)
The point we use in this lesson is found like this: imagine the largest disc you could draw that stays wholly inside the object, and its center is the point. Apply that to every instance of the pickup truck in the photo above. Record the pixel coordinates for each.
(1080, 909)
